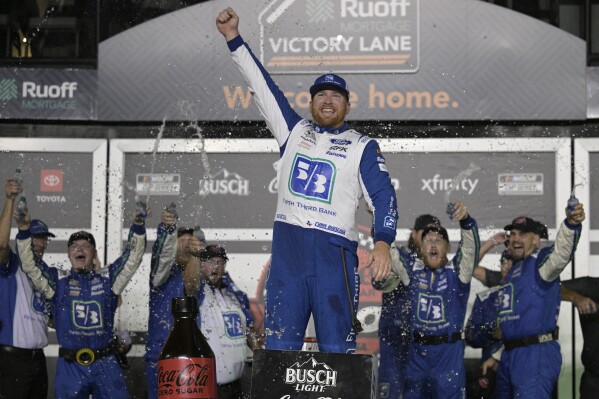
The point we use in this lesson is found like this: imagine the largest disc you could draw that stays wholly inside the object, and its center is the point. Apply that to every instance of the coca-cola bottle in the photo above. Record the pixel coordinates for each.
(186, 366)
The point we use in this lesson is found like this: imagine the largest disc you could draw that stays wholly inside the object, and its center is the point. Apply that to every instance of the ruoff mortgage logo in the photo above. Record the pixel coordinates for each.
(36, 96)
(310, 376)
(8, 89)
(349, 36)
(320, 11)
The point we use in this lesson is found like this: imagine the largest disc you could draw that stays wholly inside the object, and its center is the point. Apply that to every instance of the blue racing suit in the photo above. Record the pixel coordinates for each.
(528, 310)
(394, 339)
(83, 306)
(322, 174)
(166, 283)
(439, 299)
(482, 323)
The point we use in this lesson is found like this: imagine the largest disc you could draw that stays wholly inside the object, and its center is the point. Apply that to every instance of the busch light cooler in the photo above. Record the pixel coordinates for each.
(312, 375)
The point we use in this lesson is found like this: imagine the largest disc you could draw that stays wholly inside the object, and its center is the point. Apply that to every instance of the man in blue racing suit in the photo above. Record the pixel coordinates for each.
(83, 302)
(395, 321)
(438, 290)
(530, 360)
(325, 168)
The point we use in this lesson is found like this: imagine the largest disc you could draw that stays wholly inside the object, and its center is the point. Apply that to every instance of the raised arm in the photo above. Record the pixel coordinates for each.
(123, 268)
(270, 100)
(12, 190)
(553, 261)
(164, 249)
(498, 238)
(467, 256)
(192, 276)
(43, 278)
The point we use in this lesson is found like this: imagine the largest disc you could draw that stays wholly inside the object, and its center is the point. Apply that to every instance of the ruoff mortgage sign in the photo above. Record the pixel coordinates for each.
(48, 93)
(349, 36)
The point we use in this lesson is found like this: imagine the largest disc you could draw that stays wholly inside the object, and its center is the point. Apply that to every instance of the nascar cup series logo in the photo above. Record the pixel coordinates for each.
(310, 376)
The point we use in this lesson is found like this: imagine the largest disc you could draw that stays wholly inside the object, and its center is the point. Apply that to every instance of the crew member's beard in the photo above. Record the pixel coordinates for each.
(84, 270)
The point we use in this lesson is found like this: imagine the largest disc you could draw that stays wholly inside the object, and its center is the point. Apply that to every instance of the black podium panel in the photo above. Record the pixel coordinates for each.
(313, 375)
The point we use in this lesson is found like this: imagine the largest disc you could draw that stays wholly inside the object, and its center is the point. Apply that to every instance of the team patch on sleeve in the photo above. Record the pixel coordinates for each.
(389, 222)
(383, 168)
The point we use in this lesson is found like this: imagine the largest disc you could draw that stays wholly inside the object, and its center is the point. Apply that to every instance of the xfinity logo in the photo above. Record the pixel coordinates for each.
(33, 90)
(438, 184)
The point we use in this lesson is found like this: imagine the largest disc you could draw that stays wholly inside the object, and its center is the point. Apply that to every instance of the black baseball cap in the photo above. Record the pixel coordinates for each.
(424, 221)
(542, 231)
(524, 224)
(195, 231)
(81, 235)
(39, 228)
(330, 81)
(436, 229)
(214, 251)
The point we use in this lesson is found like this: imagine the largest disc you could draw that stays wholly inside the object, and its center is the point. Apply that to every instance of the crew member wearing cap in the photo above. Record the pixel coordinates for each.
(395, 321)
(171, 251)
(438, 290)
(23, 315)
(529, 307)
(482, 329)
(325, 168)
(224, 318)
(83, 302)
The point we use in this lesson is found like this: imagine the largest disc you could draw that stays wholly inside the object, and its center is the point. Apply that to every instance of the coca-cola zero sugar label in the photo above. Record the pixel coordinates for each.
(187, 378)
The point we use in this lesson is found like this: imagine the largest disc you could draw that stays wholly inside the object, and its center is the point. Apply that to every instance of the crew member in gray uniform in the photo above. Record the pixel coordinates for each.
(23, 314)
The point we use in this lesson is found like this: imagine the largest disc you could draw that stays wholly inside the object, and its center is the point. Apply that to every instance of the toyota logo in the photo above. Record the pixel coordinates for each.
(51, 180)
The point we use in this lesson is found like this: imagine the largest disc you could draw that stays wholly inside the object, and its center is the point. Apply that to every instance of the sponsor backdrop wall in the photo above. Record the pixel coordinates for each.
(403, 60)
(212, 186)
(229, 188)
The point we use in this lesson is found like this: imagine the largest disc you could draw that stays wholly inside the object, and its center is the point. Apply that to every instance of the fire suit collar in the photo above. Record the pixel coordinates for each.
(88, 275)
(331, 130)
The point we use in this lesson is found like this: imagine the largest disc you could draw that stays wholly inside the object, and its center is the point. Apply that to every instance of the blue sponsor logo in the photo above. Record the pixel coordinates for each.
(38, 302)
(340, 142)
(506, 299)
(328, 227)
(234, 325)
(430, 308)
(87, 314)
(312, 179)
(389, 222)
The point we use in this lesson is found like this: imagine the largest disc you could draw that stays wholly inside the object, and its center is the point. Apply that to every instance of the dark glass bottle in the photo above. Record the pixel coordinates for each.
(186, 366)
